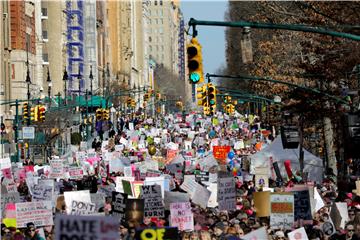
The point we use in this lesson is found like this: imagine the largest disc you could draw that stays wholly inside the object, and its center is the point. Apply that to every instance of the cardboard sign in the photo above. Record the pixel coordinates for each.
(39, 213)
(220, 153)
(202, 176)
(171, 154)
(86, 227)
(262, 204)
(98, 199)
(5, 163)
(118, 205)
(82, 208)
(298, 234)
(261, 177)
(168, 233)
(13, 197)
(226, 195)
(339, 214)
(153, 205)
(201, 196)
(181, 216)
(281, 210)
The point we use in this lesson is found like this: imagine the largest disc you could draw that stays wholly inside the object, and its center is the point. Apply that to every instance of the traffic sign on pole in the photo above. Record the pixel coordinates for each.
(28, 132)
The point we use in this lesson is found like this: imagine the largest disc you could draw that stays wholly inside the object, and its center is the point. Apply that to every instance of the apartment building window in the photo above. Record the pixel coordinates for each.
(155, 3)
(161, 30)
(45, 35)
(161, 21)
(161, 13)
(44, 12)
(162, 48)
(161, 2)
(45, 57)
(150, 48)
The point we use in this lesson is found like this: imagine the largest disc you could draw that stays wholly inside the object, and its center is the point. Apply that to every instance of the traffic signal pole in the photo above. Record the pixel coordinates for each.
(291, 27)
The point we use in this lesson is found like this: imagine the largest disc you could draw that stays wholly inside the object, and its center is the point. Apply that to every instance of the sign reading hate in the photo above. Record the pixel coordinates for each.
(69, 227)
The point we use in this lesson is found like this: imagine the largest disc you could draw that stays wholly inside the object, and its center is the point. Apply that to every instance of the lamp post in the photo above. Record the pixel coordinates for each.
(91, 77)
(79, 78)
(49, 86)
(28, 80)
(65, 79)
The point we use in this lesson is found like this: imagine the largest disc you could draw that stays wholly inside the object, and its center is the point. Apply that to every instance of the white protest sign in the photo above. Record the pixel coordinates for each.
(76, 172)
(174, 197)
(39, 213)
(158, 181)
(5, 163)
(298, 234)
(259, 234)
(213, 197)
(69, 197)
(86, 227)
(201, 196)
(82, 208)
(319, 203)
(181, 216)
(281, 210)
(118, 181)
(42, 192)
(12, 197)
(128, 171)
(57, 168)
(189, 186)
(226, 195)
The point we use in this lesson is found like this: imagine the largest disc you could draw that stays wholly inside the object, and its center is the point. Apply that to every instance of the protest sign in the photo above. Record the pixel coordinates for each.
(57, 168)
(39, 213)
(201, 196)
(76, 172)
(181, 216)
(153, 205)
(212, 202)
(134, 210)
(118, 205)
(339, 214)
(281, 210)
(298, 234)
(226, 195)
(119, 184)
(262, 204)
(220, 153)
(42, 192)
(86, 227)
(261, 177)
(202, 176)
(5, 163)
(69, 197)
(259, 234)
(189, 185)
(98, 199)
(302, 205)
(328, 228)
(82, 208)
(12, 197)
(173, 197)
(167, 233)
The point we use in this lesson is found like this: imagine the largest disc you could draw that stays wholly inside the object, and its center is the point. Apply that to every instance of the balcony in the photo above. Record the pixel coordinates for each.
(44, 13)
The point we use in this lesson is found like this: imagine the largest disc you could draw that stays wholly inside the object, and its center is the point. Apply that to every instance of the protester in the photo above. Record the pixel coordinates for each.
(209, 185)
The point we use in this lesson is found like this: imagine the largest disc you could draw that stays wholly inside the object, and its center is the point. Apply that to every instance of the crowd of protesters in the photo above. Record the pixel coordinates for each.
(209, 223)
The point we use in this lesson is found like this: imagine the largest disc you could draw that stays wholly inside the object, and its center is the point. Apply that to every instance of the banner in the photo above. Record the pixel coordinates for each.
(86, 227)
(153, 205)
(167, 233)
(281, 210)
(181, 216)
(39, 213)
(226, 195)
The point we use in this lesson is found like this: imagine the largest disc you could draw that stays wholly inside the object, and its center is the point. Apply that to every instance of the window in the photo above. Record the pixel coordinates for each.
(150, 48)
(156, 21)
(161, 12)
(155, 3)
(162, 48)
(149, 12)
(161, 2)
(161, 21)
(161, 30)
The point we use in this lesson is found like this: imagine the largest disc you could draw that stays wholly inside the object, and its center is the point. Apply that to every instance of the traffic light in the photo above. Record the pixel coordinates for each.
(227, 99)
(25, 111)
(193, 50)
(99, 114)
(105, 114)
(90, 120)
(179, 104)
(201, 96)
(146, 97)
(133, 103)
(158, 96)
(41, 110)
(211, 93)
(206, 109)
(128, 102)
(34, 116)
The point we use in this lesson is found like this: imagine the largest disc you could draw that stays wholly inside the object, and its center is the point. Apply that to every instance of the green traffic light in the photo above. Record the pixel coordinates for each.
(212, 102)
(194, 77)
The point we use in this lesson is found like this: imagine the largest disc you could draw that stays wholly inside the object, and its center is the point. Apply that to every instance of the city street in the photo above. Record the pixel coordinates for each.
(179, 120)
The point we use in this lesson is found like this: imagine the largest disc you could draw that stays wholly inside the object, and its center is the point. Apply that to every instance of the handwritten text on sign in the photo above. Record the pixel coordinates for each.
(39, 213)
(281, 210)
(220, 152)
(181, 216)
(226, 195)
(154, 206)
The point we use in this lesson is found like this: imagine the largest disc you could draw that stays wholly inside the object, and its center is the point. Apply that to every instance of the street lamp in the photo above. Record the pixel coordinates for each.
(65, 79)
(91, 77)
(79, 78)
(28, 80)
(49, 85)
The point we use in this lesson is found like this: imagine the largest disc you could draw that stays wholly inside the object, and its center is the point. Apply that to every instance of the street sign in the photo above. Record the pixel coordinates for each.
(28, 132)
